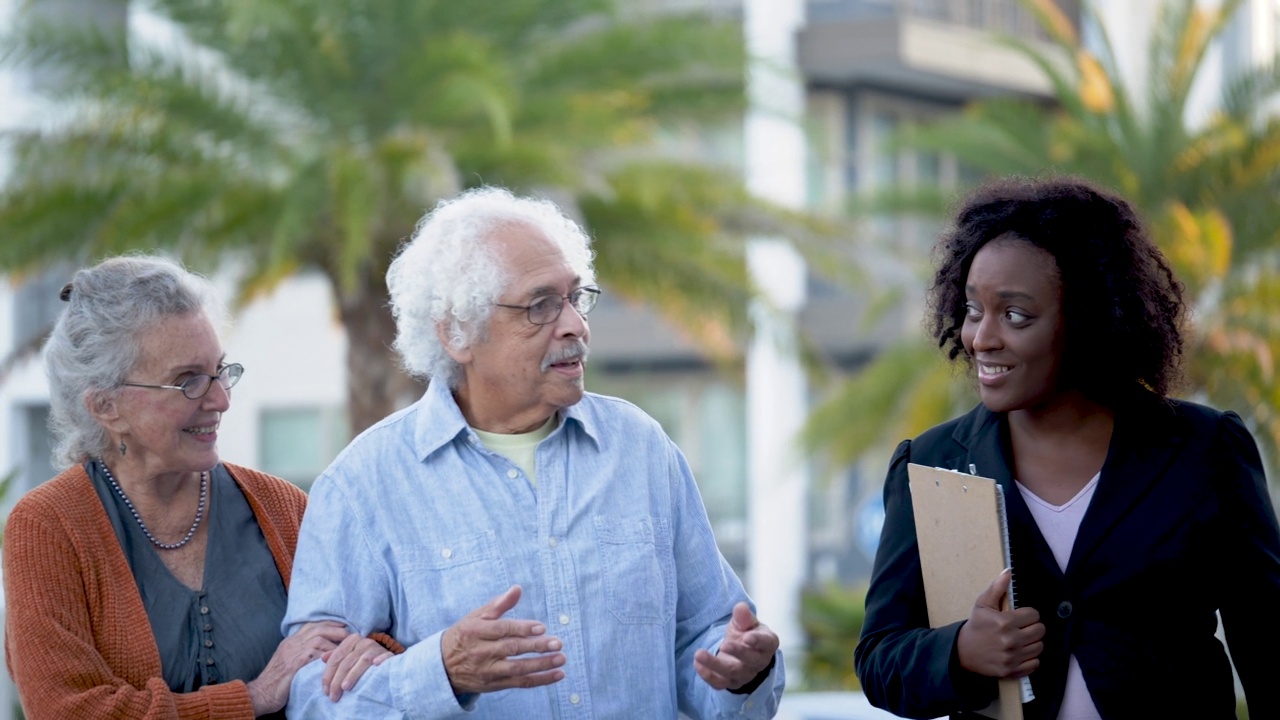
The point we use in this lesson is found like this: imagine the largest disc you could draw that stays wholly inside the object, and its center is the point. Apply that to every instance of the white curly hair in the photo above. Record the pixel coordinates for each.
(449, 275)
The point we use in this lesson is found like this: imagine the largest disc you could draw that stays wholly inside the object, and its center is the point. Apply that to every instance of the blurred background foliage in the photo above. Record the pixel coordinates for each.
(1205, 187)
(311, 135)
(831, 616)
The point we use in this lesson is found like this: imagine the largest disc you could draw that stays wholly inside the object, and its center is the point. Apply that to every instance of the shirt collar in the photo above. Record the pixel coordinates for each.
(440, 420)
(584, 416)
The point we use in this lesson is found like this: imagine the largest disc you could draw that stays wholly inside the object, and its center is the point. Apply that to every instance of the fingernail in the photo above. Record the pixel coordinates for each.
(553, 645)
(537, 629)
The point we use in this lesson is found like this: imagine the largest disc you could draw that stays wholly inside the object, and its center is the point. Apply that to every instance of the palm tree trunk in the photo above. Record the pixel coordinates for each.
(376, 385)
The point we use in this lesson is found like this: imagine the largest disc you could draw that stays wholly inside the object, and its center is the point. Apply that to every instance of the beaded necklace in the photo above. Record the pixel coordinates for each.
(204, 495)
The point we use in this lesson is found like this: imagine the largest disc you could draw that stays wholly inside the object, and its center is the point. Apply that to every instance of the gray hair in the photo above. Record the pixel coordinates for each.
(95, 343)
(449, 275)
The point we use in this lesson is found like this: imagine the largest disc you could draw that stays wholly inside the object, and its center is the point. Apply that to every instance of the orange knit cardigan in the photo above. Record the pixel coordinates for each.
(77, 639)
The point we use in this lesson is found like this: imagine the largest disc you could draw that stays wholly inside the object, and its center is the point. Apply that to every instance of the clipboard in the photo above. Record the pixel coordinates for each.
(963, 534)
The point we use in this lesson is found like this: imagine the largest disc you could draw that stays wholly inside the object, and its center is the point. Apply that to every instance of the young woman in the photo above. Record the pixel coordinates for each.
(1135, 519)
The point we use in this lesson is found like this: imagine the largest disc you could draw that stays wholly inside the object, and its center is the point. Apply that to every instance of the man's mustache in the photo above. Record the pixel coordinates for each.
(577, 350)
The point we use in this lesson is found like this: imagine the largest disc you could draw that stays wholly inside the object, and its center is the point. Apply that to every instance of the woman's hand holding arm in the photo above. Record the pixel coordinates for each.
(270, 691)
(347, 663)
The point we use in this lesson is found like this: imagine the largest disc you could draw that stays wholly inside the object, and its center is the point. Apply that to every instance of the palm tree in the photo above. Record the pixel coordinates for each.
(1206, 190)
(310, 135)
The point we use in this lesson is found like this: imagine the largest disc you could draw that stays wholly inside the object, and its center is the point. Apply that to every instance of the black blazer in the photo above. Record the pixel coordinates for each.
(1180, 526)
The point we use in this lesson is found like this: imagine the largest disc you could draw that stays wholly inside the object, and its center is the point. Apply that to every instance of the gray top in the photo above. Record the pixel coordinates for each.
(228, 629)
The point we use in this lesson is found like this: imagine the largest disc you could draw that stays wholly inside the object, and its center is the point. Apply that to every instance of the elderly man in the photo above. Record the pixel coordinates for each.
(541, 552)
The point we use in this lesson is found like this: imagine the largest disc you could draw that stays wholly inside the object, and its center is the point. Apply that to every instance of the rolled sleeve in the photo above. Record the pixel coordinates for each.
(420, 686)
(762, 703)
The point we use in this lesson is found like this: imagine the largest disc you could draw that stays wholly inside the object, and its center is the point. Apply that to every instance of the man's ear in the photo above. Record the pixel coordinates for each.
(460, 355)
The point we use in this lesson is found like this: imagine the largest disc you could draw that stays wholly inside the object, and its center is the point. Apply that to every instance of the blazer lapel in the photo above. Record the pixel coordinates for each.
(988, 452)
(1143, 444)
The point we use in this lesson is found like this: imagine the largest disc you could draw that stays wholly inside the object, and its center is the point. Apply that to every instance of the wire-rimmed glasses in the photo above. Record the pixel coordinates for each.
(545, 309)
(197, 386)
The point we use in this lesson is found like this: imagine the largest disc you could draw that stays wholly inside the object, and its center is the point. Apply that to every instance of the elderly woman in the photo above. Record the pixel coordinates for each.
(148, 579)
(1135, 519)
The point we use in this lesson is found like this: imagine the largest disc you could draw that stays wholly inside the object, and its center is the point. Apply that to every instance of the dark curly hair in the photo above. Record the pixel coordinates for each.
(1122, 303)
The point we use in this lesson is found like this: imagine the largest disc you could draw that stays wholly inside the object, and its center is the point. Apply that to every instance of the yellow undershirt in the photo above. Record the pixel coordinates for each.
(520, 448)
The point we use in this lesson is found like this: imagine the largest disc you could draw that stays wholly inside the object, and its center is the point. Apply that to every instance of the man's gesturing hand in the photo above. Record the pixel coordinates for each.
(480, 650)
(746, 650)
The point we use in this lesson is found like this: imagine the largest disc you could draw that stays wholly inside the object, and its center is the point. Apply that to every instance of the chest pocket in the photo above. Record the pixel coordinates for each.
(639, 573)
(448, 578)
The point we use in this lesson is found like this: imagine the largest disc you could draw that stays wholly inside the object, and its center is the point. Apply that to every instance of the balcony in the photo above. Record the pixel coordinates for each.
(946, 49)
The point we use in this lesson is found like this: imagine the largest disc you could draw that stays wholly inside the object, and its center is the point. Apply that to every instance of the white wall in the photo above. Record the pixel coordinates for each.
(293, 350)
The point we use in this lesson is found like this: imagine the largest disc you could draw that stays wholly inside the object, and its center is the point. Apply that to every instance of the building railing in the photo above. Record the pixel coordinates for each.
(1009, 17)
(1006, 17)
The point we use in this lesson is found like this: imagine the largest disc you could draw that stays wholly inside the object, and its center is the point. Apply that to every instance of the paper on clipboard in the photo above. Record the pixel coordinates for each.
(963, 535)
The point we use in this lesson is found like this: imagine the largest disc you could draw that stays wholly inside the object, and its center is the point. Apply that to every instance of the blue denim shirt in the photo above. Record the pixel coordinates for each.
(416, 524)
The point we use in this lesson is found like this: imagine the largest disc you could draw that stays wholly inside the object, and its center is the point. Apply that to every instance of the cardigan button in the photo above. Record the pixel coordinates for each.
(1064, 609)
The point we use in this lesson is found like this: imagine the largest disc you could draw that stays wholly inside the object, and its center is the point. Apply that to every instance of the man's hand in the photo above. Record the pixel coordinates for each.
(746, 650)
(1000, 643)
(480, 650)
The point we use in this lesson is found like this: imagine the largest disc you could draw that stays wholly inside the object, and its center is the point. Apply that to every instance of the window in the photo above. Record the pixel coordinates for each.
(874, 120)
(299, 443)
(36, 305)
(34, 450)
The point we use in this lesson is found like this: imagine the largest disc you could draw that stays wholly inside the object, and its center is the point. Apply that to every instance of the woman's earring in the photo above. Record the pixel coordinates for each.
(123, 447)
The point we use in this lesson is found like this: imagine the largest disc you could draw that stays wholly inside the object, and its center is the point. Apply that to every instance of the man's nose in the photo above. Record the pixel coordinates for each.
(571, 323)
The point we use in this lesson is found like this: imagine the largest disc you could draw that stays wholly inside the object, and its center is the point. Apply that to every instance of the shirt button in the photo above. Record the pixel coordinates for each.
(446, 553)
(204, 610)
(474, 439)
(575, 699)
(208, 643)
(513, 473)
(564, 619)
(553, 542)
(208, 627)
(208, 661)
(1064, 609)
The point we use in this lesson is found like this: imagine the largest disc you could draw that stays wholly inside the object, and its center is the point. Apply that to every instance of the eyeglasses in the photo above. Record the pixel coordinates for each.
(546, 308)
(197, 386)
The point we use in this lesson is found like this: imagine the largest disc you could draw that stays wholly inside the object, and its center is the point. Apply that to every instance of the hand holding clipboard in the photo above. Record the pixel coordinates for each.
(963, 537)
